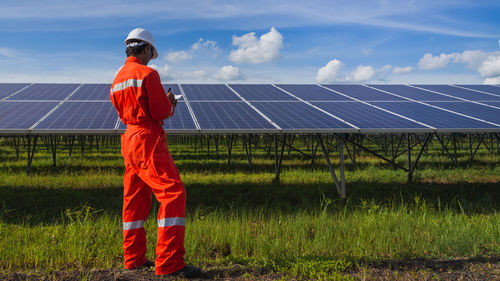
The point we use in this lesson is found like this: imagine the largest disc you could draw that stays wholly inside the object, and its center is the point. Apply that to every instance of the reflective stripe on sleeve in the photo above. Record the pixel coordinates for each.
(126, 84)
(171, 222)
(133, 225)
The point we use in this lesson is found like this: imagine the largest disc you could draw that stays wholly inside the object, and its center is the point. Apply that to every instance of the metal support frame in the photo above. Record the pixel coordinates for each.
(53, 148)
(481, 140)
(278, 161)
(31, 151)
(378, 155)
(17, 141)
(248, 149)
(408, 148)
(443, 146)
(229, 142)
(340, 185)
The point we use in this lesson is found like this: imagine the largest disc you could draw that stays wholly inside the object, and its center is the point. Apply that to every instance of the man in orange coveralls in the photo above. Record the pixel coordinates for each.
(141, 102)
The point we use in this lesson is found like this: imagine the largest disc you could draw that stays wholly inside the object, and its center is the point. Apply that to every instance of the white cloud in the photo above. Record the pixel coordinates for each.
(253, 50)
(399, 70)
(330, 72)
(7, 52)
(164, 70)
(206, 44)
(428, 61)
(199, 74)
(177, 56)
(490, 67)
(386, 67)
(487, 64)
(229, 73)
(492, 80)
(361, 73)
(473, 58)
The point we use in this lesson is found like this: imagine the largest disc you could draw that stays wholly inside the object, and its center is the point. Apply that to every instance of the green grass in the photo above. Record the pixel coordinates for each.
(69, 216)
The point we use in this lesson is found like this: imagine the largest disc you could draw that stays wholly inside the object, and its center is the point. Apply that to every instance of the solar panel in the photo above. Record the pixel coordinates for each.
(475, 110)
(81, 116)
(22, 115)
(300, 116)
(92, 92)
(367, 117)
(181, 120)
(207, 92)
(45, 92)
(437, 118)
(313, 93)
(7, 89)
(413, 93)
(484, 88)
(228, 116)
(220, 109)
(494, 103)
(256, 92)
(459, 92)
(363, 93)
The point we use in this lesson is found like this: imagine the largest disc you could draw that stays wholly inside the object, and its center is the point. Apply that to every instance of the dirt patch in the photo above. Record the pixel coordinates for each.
(449, 270)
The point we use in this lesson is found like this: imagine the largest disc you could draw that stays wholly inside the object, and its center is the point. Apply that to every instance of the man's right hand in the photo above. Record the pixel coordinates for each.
(172, 99)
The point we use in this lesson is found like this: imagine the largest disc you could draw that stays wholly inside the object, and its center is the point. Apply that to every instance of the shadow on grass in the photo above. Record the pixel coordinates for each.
(33, 206)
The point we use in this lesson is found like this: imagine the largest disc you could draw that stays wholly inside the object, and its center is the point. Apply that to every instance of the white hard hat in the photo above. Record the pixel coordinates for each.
(144, 35)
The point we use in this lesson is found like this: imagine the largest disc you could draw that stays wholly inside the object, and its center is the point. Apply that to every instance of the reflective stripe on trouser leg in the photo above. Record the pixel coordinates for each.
(136, 205)
(133, 225)
(166, 222)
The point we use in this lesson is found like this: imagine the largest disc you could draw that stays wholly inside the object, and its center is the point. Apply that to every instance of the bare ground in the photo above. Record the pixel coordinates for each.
(455, 269)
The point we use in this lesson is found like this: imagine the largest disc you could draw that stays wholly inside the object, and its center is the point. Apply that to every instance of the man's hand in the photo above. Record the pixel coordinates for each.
(172, 99)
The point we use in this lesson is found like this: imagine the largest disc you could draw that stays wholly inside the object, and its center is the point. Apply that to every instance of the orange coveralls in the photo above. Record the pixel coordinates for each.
(141, 102)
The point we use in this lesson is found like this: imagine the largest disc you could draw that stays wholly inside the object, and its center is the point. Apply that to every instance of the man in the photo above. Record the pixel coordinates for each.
(141, 102)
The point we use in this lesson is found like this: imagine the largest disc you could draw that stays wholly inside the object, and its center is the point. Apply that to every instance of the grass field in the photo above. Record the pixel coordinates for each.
(241, 224)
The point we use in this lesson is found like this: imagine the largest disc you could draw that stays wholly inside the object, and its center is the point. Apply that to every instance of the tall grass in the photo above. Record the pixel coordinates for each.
(69, 216)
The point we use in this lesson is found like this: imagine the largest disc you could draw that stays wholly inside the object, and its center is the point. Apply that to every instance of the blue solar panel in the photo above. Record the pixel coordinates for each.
(363, 93)
(228, 116)
(92, 92)
(413, 93)
(484, 88)
(434, 117)
(494, 103)
(462, 93)
(22, 115)
(10, 88)
(45, 92)
(298, 115)
(261, 93)
(81, 116)
(472, 109)
(207, 92)
(312, 93)
(181, 120)
(367, 117)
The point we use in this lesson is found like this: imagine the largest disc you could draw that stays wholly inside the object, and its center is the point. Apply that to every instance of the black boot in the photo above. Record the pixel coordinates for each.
(146, 265)
(188, 271)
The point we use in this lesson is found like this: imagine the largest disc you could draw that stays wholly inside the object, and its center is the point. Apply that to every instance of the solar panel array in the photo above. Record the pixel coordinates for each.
(260, 108)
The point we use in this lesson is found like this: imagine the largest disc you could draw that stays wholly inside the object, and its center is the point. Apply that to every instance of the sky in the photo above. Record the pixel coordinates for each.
(274, 41)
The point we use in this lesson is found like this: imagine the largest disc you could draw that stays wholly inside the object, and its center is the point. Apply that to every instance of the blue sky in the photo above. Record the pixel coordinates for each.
(223, 41)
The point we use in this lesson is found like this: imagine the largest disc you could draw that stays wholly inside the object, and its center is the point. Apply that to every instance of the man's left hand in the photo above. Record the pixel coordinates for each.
(172, 99)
